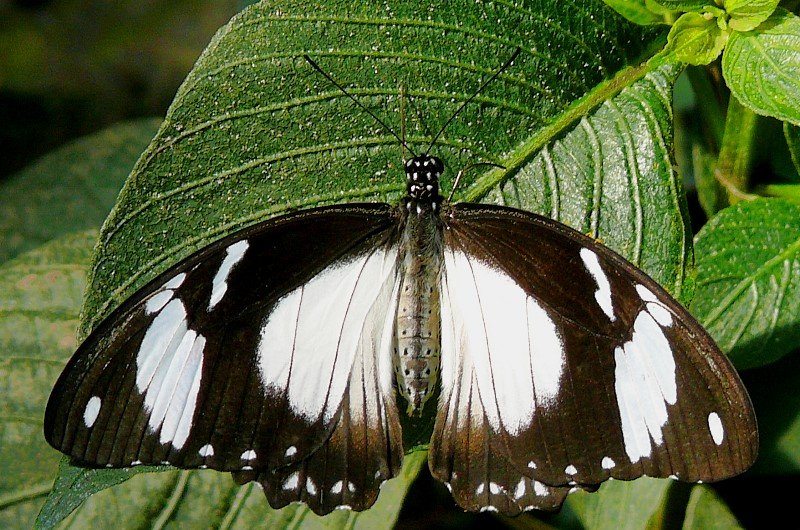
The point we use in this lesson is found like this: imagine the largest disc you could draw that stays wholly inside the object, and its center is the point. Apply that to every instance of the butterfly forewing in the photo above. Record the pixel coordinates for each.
(269, 350)
(582, 367)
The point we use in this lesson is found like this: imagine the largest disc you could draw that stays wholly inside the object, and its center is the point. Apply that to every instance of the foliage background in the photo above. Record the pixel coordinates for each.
(110, 70)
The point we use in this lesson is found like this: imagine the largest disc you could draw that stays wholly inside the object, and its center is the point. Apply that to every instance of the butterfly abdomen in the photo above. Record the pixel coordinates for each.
(417, 328)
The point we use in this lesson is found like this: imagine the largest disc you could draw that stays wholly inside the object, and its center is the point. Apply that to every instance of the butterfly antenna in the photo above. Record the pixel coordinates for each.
(464, 170)
(364, 108)
(403, 120)
(496, 74)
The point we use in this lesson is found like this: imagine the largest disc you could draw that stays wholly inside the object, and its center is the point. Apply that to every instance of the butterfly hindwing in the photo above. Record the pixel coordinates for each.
(584, 368)
(260, 352)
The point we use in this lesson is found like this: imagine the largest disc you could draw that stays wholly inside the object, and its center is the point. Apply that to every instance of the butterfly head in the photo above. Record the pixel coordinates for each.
(422, 179)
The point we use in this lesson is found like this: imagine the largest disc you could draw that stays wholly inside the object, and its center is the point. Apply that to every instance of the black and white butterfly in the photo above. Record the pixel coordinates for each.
(277, 354)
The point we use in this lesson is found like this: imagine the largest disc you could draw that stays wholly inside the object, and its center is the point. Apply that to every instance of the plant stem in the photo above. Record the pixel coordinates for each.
(786, 191)
(733, 164)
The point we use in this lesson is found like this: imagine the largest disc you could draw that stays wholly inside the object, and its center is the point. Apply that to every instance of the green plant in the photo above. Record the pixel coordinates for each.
(582, 124)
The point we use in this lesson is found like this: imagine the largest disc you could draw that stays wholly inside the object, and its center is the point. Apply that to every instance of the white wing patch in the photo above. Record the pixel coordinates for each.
(314, 334)
(233, 255)
(168, 371)
(715, 428)
(645, 384)
(492, 329)
(91, 411)
(603, 293)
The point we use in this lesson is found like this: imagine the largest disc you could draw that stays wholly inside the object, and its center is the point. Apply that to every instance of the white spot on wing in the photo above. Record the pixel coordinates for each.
(660, 313)
(539, 488)
(657, 310)
(337, 487)
(570, 470)
(479, 490)
(532, 464)
(290, 452)
(645, 384)
(292, 481)
(646, 294)
(249, 455)
(206, 451)
(715, 428)
(175, 282)
(91, 411)
(520, 489)
(233, 255)
(608, 463)
(603, 293)
(494, 488)
(351, 487)
(158, 301)
(311, 488)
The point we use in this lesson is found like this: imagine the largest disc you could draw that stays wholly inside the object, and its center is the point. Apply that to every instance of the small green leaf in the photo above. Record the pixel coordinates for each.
(707, 511)
(762, 67)
(40, 298)
(748, 14)
(696, 6)
(636, 11)
(792, 135)
(748, 280)
(70, 189)
(696, 39)
(621, 505)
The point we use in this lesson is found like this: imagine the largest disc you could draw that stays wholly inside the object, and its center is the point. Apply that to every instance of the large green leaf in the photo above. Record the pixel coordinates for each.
(255, 131)
(748, 280)
(70, 189)
(581, 125)
(40, 295)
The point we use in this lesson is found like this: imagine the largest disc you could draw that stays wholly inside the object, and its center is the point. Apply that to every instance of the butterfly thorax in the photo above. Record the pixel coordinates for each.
(417, 328)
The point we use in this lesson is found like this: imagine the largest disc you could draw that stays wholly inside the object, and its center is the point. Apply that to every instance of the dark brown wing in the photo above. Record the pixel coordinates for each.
(265, 352)
(565, 364)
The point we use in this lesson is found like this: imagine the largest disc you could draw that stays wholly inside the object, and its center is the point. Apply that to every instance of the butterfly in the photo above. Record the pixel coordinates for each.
(293, 352)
